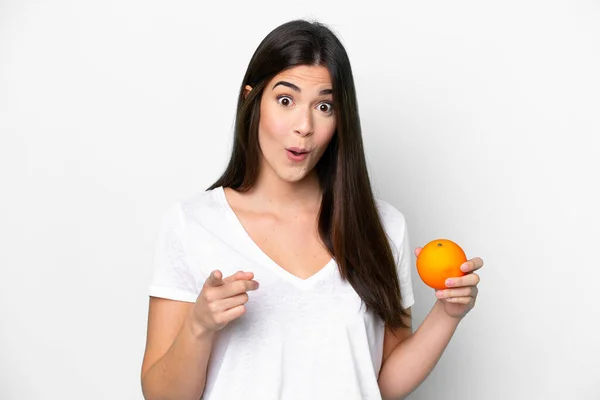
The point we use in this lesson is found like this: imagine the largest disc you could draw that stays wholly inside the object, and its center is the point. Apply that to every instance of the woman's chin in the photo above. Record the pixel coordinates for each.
(293, 176)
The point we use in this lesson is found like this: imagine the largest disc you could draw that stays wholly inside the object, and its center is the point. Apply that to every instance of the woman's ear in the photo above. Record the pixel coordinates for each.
(247, 90)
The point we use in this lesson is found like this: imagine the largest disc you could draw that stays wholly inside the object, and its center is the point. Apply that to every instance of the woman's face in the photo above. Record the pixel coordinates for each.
(297, 121)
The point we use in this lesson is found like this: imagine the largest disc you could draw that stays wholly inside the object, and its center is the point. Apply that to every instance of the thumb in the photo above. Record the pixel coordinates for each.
(214, 279)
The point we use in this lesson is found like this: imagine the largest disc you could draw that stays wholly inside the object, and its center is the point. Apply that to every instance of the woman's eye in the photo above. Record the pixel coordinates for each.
(284, 100)
(326, 107)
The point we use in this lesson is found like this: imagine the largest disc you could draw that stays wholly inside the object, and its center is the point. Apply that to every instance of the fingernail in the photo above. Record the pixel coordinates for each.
(449, 282)
(464, 267)
(439, 293)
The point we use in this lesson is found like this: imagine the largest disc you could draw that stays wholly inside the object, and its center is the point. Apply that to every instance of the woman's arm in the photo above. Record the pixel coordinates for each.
(177, 352)
(181, 335)
(415, 357)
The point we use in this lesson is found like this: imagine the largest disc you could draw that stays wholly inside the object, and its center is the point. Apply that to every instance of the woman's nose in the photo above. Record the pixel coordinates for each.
(304, 123)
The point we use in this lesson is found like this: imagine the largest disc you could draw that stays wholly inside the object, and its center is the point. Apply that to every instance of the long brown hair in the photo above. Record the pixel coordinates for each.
(349, 222)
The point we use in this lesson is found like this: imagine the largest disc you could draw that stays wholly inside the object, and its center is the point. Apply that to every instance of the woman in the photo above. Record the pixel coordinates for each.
(287, 279)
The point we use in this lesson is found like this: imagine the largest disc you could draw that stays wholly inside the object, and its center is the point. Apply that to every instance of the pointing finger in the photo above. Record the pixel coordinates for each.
(239, 275)
(240, 286)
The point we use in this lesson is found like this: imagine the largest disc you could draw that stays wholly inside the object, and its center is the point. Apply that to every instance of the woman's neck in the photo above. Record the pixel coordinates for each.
(273, 194)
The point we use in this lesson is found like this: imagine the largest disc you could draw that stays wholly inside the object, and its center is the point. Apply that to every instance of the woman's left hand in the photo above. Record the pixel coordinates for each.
(459, 298)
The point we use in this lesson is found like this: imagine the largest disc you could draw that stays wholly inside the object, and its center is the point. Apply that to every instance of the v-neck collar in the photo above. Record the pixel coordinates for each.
(260, 256)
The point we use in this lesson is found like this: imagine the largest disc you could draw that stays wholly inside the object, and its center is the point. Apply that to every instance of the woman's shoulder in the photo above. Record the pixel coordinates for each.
(393, 221)
(202, 200)
(388, 212)
(197, 207)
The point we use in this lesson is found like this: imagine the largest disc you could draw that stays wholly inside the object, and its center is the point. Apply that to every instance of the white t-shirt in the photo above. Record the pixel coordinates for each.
(299, 338)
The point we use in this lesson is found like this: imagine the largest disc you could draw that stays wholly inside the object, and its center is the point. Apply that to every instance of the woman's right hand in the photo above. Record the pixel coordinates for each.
(222, 299)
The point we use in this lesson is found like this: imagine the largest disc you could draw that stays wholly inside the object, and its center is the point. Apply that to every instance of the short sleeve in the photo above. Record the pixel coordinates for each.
(172, 277)
(403, 266)
(396, 229)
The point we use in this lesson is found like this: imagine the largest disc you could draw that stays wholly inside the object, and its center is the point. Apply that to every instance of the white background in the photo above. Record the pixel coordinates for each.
(481, 124)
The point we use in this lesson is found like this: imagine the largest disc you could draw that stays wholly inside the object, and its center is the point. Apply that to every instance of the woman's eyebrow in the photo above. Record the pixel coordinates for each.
(297, 89)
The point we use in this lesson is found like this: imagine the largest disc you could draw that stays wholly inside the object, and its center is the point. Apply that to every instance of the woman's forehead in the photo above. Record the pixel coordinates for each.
(304, 76)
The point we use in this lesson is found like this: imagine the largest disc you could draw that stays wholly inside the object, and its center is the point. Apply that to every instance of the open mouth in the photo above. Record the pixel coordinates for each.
(297, 155)
(297, 150)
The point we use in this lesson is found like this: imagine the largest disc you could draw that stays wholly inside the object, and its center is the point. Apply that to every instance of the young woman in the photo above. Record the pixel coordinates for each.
(287, 279)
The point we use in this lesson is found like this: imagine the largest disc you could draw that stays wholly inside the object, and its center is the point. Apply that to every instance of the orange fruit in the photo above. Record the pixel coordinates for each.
(439, 260)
